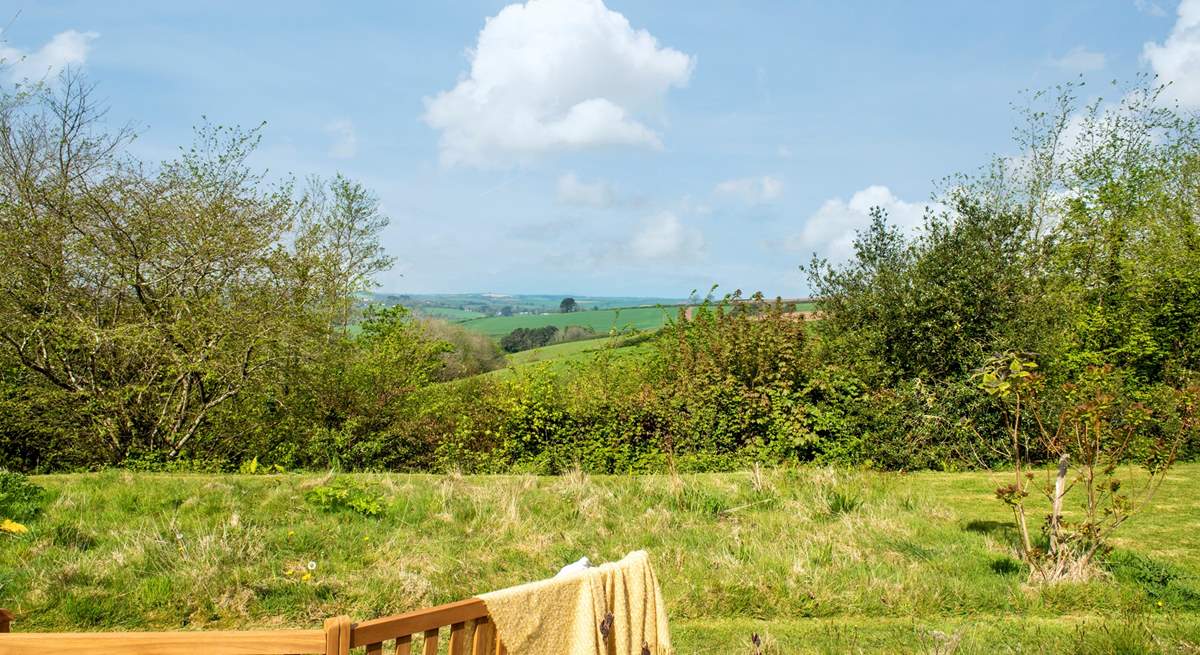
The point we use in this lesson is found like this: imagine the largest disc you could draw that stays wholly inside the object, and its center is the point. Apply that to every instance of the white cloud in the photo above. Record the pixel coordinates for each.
(753, 190)
(574, 191)
(1080, 60)
(1177, 60)
(554, 75)
(69, 48)
(1149, 7)
(784, 152)
(830, 231)
(664, 237)
(345, 139)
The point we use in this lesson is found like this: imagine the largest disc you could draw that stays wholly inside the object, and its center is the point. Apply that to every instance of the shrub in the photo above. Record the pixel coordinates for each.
(345, 495)
(20, 499)
(469, 353)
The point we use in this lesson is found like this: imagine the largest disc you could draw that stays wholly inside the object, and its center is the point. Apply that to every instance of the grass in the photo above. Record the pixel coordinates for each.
(601, 321)
(814, 560)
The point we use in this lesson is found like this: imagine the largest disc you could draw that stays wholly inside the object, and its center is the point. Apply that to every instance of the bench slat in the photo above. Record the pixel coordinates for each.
(242, 642)
(431, 642)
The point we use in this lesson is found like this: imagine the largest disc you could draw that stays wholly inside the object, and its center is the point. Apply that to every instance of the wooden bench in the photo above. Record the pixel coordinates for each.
(466, 621)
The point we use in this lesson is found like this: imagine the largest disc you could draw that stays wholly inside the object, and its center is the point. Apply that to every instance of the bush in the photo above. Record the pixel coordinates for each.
(345, 495)
(469, 353)
(20, 499)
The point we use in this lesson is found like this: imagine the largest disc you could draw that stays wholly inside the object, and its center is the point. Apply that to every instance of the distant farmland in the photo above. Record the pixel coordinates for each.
(601, 320)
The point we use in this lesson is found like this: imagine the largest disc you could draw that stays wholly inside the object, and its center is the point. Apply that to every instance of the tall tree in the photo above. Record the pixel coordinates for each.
(340, 227)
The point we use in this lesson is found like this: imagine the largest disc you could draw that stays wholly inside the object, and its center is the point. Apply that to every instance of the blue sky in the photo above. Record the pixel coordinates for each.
(617, 148)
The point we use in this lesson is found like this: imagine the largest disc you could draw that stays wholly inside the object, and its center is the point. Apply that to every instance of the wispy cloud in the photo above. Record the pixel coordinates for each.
(752, 190)
(69, 48)
(1080, 60)
(574, 191)
(344, 144)
(664, 237)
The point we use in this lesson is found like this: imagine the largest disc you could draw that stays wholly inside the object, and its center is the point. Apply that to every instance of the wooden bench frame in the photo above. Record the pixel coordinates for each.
(468, 620)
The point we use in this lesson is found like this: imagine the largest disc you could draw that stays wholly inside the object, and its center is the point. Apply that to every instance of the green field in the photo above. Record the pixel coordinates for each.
(561, 356)
(602, 321)
(449, 313)
(814, 560)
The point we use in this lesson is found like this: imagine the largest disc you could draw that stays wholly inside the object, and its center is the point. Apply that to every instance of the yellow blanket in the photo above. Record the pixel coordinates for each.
(612, 609)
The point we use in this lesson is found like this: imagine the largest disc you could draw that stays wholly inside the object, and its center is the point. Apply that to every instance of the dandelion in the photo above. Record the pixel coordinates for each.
(12, 527)
(367, 538)
(291, 533)
(306, 577)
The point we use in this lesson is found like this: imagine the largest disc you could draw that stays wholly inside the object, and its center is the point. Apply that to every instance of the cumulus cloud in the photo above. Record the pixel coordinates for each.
(574, 191)
(664, 237)
(1080, 60)
(344, 143)
(752, 190)
(69, 48)
(830, 231)
(1177, 60)
(555, 75)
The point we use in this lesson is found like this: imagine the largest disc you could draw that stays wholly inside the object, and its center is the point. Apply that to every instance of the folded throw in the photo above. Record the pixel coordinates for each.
(612, 609)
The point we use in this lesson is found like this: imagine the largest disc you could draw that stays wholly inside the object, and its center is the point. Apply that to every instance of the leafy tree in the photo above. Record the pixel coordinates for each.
(151, 298)
(528, 338)
(567, 305)
(338, 233)
(468, 352)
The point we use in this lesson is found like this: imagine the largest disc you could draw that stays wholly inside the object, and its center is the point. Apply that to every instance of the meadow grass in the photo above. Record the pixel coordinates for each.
(812, 559)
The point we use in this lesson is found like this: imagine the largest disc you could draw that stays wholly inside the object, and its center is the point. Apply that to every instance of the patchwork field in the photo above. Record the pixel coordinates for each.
(813, 560)
(600, 320)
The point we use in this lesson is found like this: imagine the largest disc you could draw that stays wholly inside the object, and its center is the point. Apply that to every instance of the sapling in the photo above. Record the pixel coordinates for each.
(1098, 441)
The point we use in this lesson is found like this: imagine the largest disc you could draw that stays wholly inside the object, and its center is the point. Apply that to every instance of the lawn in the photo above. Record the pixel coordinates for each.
(812, 559)
(601, 320)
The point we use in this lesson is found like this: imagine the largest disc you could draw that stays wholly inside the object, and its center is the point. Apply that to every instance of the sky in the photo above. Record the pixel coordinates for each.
(605, 147)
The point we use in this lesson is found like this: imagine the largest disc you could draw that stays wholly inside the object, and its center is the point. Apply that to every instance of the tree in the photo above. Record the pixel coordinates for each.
(528, 338)
(148, 299)
(567, 305)
(338, 239)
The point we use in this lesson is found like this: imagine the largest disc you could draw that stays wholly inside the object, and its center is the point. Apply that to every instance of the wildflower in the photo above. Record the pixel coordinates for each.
(312, 566)
(367, 538)
(291, 533)
(306, 577)
(12, 527)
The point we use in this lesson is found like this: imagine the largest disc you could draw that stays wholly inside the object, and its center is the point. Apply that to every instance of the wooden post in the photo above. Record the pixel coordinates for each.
(337, 635)
(1060, 484)
(6, 618)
